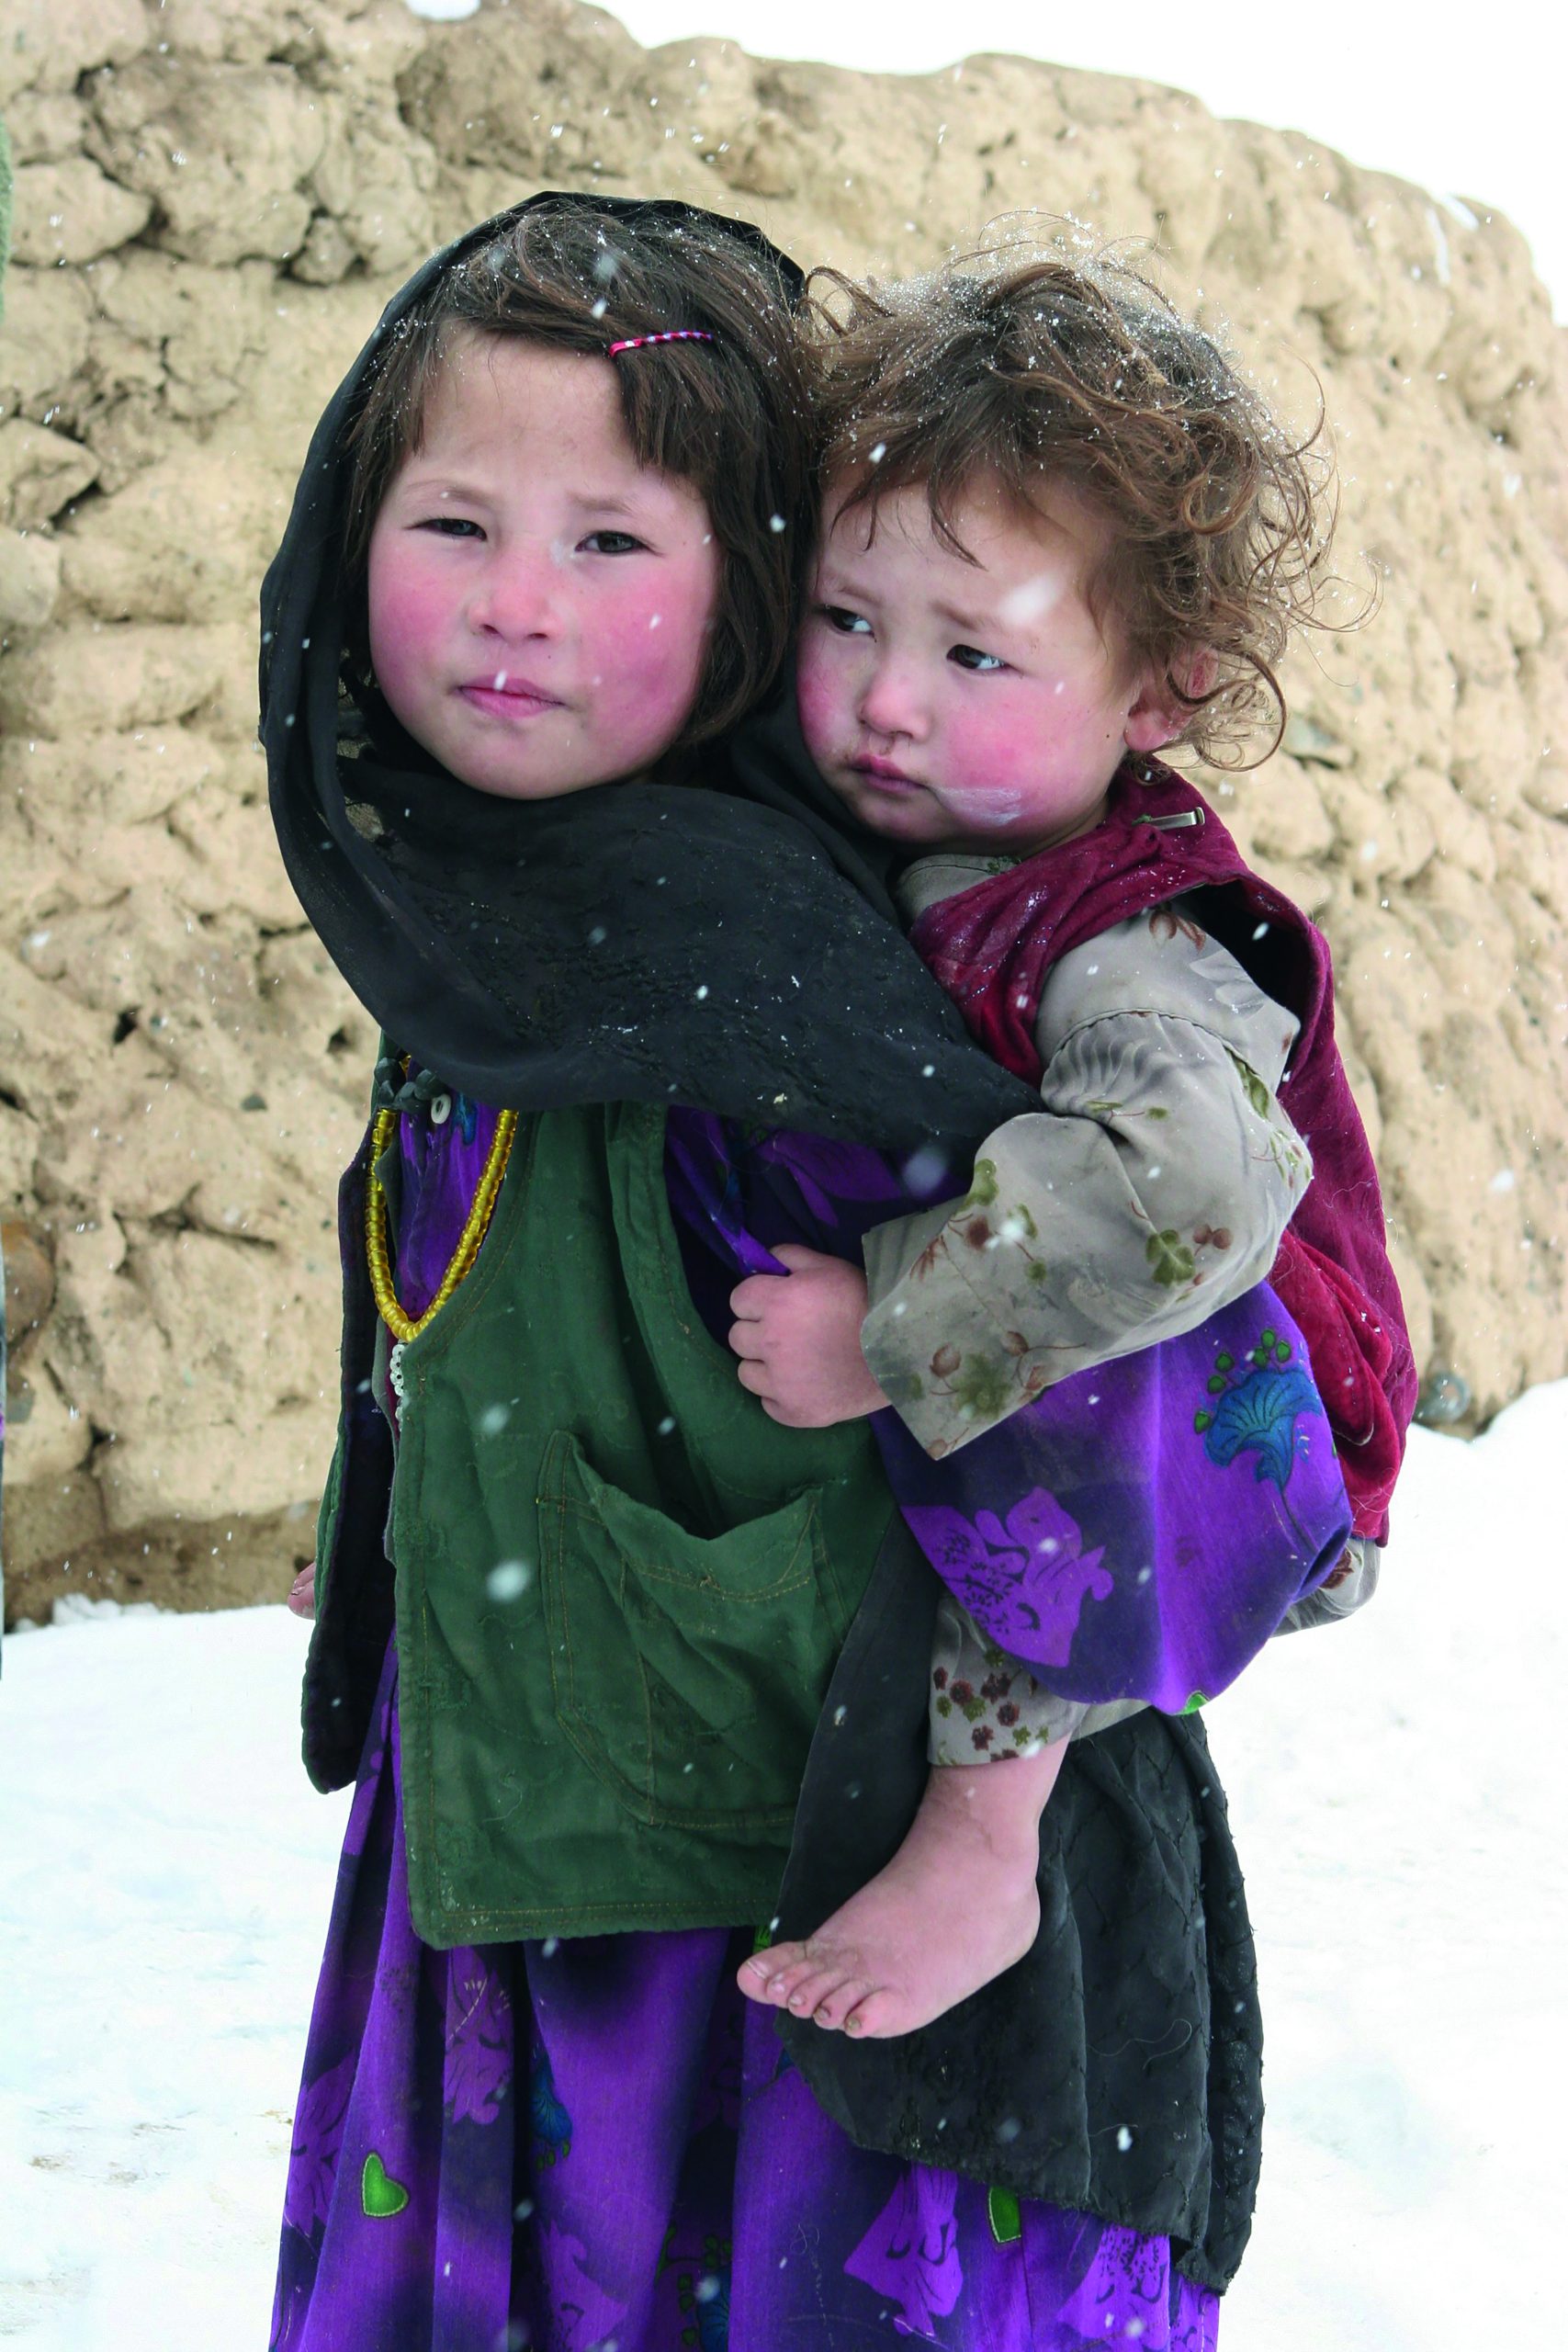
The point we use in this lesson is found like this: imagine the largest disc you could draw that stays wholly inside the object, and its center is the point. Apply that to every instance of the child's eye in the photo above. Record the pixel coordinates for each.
(969, 657)
(613, 543)
(848, 624)
(450, 527)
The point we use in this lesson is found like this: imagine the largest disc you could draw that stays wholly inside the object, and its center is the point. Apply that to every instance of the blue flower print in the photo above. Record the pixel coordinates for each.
(1257, 1410)
(711, 2308)
(702, 2292)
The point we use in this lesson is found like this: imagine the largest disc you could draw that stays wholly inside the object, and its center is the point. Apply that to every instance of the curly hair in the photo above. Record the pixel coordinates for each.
(731, 415)
(1080, 369)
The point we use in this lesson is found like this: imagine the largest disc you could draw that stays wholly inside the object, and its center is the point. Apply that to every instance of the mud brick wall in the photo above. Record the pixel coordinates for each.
(213, 197)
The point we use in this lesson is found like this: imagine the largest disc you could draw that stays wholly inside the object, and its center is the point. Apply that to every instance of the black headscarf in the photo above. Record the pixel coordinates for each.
(731, 945)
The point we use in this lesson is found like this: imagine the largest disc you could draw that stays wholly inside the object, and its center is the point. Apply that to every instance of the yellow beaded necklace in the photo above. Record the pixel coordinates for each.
(402, 1327)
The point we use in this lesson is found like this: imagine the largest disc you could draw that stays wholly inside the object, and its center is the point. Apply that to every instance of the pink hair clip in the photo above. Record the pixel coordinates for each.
(670, 334)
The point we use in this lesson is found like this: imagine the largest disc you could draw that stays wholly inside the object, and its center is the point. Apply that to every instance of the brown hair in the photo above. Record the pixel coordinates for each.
(730, 416)
(1081, 370)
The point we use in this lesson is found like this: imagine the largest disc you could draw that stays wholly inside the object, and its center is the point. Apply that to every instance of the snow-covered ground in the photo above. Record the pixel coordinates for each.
(1397, 1787)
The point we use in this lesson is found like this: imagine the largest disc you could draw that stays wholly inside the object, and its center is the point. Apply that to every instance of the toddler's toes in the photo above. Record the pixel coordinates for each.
(801, 1965)
(877, 2014)
(840, 2001)
(768, 1975)
(808, 1993)
(752, 1976)
(757, 1974)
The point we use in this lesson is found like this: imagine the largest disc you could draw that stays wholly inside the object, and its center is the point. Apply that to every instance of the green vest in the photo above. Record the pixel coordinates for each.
(621, 1589)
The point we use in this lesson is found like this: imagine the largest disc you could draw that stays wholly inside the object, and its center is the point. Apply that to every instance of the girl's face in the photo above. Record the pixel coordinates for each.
(539, 602)
(973, 702)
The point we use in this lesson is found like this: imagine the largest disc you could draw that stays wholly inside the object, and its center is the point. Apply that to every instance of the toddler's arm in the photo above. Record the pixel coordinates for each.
(1151, 1188)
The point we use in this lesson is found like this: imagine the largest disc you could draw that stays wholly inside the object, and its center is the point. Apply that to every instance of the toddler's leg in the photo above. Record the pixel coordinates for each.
(955, 1905)
(958, 1904)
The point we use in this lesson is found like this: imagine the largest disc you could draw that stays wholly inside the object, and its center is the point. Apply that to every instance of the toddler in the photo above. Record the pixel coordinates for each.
(1059, 534)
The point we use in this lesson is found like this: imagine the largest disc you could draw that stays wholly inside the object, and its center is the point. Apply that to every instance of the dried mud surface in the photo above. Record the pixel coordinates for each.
(213, 197)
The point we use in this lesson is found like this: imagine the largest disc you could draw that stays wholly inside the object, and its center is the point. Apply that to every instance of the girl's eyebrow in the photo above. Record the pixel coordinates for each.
(435, 483)
(603, 502)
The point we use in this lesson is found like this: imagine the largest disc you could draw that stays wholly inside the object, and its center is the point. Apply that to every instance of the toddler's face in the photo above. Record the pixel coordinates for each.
(969, 702)
(538, 603)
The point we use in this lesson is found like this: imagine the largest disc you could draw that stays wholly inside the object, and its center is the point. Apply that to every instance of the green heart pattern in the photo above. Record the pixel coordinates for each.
(380, 2195)
(1006, 2222)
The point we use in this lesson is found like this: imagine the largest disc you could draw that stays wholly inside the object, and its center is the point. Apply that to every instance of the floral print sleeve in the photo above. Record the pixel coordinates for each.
(1151, 1187)
(987, 1707)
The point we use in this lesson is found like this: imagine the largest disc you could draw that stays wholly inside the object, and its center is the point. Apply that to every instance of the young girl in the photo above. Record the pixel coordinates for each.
(1058, 535)
(579, 1598)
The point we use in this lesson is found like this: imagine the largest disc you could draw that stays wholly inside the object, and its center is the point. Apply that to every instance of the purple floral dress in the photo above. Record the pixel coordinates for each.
(598, 2145)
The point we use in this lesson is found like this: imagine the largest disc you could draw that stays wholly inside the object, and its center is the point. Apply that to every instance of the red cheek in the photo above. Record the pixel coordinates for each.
(647, 676)
(409, 616)
(1000, 747)
(821, 700)
(632, 654)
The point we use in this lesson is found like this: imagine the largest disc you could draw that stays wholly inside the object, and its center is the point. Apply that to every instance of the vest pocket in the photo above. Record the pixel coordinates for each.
(688, 1671)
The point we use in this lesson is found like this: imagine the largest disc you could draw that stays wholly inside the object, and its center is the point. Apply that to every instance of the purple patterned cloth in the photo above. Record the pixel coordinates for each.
(598, 2145)
(1138, 1531)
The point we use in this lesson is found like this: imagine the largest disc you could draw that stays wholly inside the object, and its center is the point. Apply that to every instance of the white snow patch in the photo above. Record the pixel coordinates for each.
(1397, 1791)
(169, 1873)
(443, 12)
(1396, 1786)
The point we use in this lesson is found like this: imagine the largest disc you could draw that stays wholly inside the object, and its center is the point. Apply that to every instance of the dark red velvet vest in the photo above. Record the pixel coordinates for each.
(991, 947)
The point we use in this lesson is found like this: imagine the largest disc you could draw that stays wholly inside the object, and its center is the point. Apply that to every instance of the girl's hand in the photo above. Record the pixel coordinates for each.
(798, 1341)
(303, 1592)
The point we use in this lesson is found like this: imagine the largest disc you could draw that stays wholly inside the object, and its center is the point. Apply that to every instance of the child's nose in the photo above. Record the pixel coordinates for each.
(891, 703)
(519, 594)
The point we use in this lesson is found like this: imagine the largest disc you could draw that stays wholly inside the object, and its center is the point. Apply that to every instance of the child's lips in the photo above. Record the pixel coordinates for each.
(884, 776)
(517, 699)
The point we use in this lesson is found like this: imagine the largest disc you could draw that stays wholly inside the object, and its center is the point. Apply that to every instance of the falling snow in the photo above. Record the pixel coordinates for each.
(509, 1580)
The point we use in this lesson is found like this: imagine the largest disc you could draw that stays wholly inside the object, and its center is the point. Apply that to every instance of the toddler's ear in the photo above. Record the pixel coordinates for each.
(1158, 714)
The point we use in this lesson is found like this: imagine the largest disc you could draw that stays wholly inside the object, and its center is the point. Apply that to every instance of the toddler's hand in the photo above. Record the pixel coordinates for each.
(798, 1341)
(303, 1592)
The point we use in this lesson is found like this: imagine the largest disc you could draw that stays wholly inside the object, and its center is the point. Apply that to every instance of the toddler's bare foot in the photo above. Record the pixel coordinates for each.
(955, 1905)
